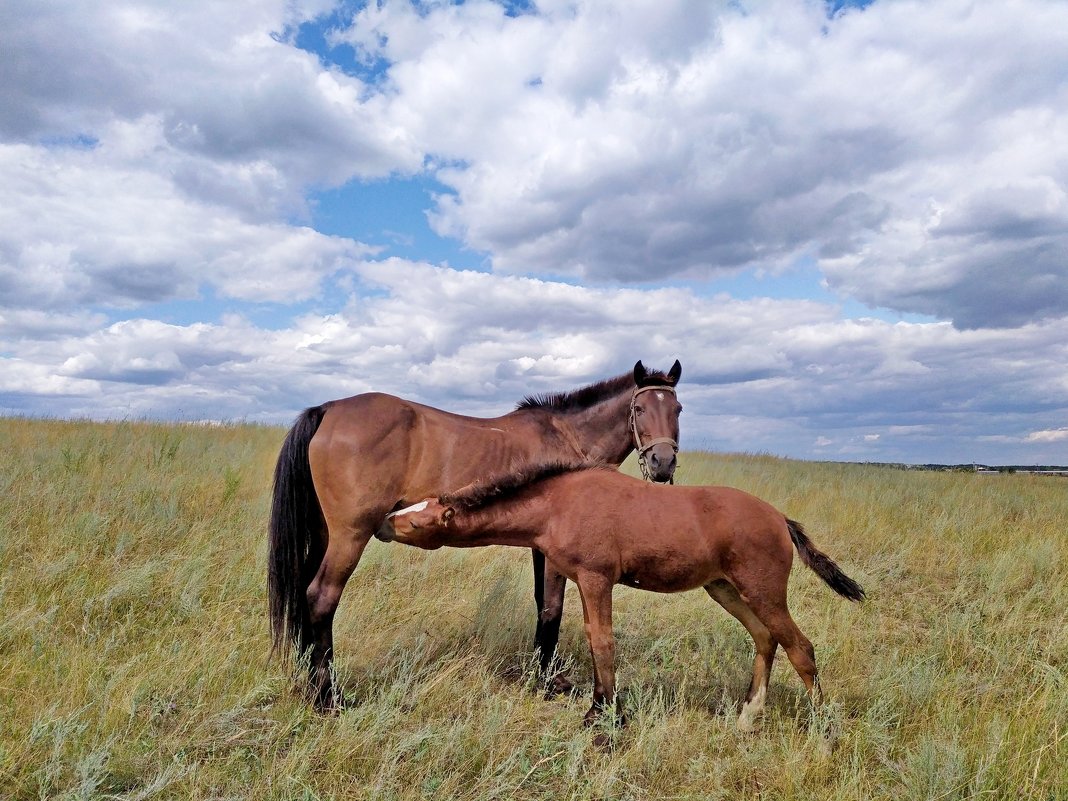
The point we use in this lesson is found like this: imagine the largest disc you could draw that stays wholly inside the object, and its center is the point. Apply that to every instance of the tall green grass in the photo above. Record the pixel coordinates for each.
(133, 644)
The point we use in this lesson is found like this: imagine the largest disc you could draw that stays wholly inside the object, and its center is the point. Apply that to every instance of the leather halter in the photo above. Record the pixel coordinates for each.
(643, 449)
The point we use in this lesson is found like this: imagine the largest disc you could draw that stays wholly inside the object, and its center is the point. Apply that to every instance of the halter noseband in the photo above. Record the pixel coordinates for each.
(643, 449)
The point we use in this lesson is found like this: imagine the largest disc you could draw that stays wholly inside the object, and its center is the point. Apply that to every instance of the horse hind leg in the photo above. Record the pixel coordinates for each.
(344, 549)
(724, 593)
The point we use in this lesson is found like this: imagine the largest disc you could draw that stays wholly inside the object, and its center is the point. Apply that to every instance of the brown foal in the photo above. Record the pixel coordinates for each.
(345, 464)
(601, 528)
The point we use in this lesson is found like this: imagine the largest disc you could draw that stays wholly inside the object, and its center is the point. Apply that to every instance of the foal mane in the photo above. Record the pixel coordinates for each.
(500, 488)
(577, 400)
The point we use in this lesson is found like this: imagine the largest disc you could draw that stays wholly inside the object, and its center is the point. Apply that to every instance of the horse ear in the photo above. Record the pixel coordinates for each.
(640, 373)
(675, 373)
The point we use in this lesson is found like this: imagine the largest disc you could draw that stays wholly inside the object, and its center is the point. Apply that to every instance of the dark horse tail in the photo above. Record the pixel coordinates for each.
(824, 567)
(295, 547)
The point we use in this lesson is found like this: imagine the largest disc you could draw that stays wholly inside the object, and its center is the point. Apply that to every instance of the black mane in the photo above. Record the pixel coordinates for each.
(578, 400)
(500, 488)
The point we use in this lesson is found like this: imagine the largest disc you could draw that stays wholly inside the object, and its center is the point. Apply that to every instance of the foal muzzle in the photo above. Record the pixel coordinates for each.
(386, 532)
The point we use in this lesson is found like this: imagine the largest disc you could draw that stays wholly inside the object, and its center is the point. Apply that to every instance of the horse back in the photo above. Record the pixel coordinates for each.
(374, 450)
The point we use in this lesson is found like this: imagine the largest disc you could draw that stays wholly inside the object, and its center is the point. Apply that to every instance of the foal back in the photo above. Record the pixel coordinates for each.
(658, 537)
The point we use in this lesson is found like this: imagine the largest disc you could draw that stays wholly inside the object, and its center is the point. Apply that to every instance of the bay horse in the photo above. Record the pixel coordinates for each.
(346, 463)
(600, 528)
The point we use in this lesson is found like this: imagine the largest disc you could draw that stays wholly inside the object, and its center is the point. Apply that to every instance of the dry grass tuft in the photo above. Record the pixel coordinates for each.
(133, 644)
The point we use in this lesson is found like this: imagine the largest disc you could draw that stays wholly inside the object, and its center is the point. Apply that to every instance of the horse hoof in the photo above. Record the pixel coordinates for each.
(559, 685)
(325, 701)
(603, 741)
(327, 708)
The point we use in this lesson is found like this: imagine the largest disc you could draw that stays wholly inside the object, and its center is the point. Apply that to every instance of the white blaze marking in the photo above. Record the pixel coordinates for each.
(415, 507)
(660, 395)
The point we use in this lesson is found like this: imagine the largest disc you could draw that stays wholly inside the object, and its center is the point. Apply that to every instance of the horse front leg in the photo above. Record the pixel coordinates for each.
(343, 552)
(549, 586)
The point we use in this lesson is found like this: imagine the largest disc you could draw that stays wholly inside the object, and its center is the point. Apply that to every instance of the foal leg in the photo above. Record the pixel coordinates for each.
(774, 614)
(549, 588)
(802, 657)
(596, 592)
(343, 552)
(724, 593)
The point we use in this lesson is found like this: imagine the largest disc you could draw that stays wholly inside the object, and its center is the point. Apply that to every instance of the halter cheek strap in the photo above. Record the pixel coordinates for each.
(643, 449)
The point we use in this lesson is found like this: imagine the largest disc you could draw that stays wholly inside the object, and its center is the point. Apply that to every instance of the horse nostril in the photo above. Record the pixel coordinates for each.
(654, 460)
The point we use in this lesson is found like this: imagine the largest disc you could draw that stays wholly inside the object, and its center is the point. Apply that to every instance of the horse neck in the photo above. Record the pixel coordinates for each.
(601, 432)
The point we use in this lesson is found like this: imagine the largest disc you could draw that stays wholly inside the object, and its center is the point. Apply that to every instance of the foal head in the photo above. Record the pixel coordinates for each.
(654, 421)
(417, 525)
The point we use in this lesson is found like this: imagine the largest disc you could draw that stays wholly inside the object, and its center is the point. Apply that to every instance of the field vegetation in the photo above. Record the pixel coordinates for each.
(134, 644)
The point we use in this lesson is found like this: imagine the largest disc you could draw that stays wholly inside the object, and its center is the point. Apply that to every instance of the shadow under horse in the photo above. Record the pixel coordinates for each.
(346, 464)
(601, 528)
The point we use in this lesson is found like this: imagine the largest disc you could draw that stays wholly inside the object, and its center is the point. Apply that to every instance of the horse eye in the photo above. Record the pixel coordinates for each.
(680, 409)
(639, 410)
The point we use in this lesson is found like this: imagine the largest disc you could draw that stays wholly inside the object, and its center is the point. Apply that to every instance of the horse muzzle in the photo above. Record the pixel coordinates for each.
(661, 462)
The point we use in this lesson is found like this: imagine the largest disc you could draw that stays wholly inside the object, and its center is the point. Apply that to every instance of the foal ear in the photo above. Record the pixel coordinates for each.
(675, 373)
(640, 373)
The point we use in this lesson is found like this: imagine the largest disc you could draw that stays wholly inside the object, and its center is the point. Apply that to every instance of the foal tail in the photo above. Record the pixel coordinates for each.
(824, 567)
(294, 537)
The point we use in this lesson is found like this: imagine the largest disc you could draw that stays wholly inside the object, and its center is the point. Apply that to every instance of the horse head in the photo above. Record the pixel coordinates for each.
(654, 421)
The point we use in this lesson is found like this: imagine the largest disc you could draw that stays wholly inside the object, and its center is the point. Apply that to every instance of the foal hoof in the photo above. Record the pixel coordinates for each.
(748, 725)
(827, 746)
(609, 723)
(828, 741)
(606, 716)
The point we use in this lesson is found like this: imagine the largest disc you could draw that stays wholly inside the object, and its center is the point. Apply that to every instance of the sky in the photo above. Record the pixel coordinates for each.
(849, 221)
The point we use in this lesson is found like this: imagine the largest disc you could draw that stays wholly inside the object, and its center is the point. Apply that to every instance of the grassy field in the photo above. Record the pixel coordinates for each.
(134, 642)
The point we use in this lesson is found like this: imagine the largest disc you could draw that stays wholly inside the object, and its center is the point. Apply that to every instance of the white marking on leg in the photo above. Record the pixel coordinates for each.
(415, 507)
(751, 710)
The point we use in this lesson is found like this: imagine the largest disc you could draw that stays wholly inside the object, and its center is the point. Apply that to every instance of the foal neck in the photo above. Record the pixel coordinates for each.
(517, 520)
